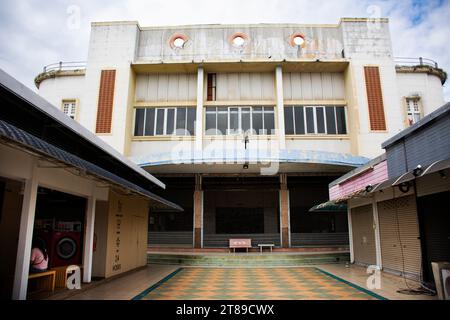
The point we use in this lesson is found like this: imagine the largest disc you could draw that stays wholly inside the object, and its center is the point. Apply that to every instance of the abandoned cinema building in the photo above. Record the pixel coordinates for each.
(247, 125)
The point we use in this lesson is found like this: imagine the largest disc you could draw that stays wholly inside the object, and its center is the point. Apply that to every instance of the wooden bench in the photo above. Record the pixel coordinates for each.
(46, 280)
(240, 244)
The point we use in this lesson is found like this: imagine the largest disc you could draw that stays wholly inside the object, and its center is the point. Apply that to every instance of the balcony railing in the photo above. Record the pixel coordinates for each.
(65, 66)
(413, 62)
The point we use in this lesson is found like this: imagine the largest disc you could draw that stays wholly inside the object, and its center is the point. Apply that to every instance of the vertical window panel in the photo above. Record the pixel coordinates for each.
(170, 121)
(234, 121)
(181, 122)
(222, 120)
(320, 118)
(340, 119)
(139, 123)
(160, 119)
(289, 120)
(269, 121)
(310, 120)
(149, 122)
(246, 119)
(331, 120)
(211, 121)
(190, 126)
(299, 120)
(257, 120)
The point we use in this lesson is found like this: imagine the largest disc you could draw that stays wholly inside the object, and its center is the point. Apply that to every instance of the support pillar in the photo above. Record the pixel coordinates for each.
(89, 238)
(198, 213)
(350, 234)
(285, 223)
(199, 116)
(376, 227)
(280, 107)
(25, 237)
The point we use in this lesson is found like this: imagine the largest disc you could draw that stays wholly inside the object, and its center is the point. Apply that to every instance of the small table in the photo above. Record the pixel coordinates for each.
(265, 245)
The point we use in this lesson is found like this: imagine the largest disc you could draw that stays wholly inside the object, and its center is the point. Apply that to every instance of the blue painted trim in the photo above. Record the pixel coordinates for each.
(141, 295)
(370, 293)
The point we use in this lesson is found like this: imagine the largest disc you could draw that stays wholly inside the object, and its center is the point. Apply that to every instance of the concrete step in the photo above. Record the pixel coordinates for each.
(253, 260)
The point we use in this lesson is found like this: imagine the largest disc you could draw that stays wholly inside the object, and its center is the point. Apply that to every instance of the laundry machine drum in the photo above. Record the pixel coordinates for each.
(66, 248)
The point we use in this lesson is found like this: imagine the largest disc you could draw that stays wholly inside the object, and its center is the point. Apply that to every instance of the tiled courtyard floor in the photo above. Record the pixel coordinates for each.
(254, 284)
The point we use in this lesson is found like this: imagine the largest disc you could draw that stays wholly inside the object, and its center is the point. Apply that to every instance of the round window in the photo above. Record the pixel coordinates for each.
(238, 41)
(299, 41)
(179, 42)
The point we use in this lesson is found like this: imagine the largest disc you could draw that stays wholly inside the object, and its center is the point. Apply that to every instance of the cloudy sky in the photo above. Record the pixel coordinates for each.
(34, 33)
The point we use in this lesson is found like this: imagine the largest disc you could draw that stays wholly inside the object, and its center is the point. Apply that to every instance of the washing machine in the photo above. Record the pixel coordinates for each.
(66, 248)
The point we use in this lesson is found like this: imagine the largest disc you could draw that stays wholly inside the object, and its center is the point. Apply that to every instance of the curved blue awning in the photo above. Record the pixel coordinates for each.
(234, 157)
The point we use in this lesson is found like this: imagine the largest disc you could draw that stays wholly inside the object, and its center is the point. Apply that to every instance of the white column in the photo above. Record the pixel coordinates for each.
(199, 117)
(376, 227)
(89, 239)
(350, 234)
(25, 237)
(280, 107)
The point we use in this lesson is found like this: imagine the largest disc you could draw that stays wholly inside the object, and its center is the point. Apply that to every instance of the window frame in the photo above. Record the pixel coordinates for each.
(240, 132)
(305, 122)
(74, 103)
(413, 101)
(164, 134)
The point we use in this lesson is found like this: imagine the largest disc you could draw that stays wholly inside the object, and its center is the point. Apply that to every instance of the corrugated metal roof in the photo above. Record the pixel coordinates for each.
(44, 107)
(442, 111)
(20, 137)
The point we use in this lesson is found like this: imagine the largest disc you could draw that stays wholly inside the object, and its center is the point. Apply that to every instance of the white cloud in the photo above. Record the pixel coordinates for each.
(34, 33)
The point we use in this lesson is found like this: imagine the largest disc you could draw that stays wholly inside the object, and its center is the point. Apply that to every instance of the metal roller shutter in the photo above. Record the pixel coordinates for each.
(399, 233)
(363, 235)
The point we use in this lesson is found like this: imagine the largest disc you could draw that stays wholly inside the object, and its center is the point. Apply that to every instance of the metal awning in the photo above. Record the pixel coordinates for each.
(25, 140)
(410, 176)
(329, 206)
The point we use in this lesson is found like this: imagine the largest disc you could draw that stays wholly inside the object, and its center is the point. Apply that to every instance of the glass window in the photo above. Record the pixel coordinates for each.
(331, 120)
(246, 119)
(149, 122)
(160, 119)
(234, 121)
(269, 121)
(340, 119)
(289, 120)
(181, 122)
(211, 122)
(222, 121)
(320, 118)
(69, 108)
(310, 120)
(139, 123)
(299, 120)
(170, 121)
(190, 126)
(413, 110)
(257, 120)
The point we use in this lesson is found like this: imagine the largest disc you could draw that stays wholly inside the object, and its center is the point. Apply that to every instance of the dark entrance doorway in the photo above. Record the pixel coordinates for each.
(434, 219)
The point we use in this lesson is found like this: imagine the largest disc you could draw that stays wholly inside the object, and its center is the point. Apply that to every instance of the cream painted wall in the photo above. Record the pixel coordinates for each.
(127, 233)
(57, 89)
(166, 87)
(427, 87)
(245, 86)
(313, 86)
(100, 239)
